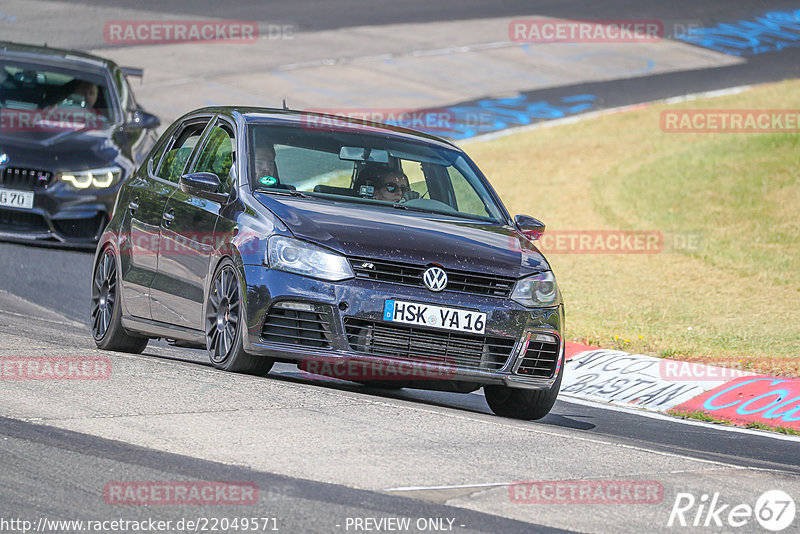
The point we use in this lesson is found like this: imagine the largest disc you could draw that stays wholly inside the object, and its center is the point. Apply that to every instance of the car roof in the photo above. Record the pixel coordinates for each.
(334, 123)
(71, 57)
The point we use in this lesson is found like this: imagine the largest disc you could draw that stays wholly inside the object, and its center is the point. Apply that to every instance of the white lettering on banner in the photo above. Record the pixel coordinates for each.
(629, 379)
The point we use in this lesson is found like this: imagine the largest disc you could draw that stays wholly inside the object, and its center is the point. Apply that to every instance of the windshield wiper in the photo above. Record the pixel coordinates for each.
(454, 213)
(285, 192)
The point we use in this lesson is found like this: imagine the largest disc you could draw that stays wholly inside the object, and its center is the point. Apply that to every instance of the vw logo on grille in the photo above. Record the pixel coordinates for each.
(435, 278)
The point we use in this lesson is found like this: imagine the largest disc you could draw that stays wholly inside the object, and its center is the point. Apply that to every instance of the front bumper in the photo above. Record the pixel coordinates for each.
(353, 310)
(60, 215)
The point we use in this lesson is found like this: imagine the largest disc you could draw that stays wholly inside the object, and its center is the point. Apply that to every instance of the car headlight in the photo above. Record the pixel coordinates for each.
(98, 178)
(295, 256)
(537, 290)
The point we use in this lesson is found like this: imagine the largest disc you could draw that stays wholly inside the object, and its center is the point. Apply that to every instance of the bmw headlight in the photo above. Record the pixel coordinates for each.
(537, 290)
(97, 178)
(295, 256)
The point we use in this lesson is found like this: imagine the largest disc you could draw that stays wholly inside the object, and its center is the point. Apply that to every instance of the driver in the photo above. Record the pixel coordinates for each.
(390, 185)
(265, 166)
(393, 186)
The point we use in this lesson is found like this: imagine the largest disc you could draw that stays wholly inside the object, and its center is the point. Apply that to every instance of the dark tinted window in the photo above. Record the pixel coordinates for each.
(217, 155)
(177, 156)
(157, 153)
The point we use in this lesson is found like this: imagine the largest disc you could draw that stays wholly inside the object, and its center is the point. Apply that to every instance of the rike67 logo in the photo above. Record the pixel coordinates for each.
(774, 510)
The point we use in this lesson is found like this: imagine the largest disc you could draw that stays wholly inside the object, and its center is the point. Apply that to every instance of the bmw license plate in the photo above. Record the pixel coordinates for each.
(400, 311)
(16, 199)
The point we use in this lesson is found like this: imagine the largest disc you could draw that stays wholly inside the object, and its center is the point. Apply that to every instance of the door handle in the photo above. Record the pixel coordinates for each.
(169, 217)
(134, 205)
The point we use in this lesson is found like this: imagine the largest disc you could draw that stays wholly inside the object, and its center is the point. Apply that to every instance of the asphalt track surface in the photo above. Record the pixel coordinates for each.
(315, 15)
(55, 472)
(295, 505)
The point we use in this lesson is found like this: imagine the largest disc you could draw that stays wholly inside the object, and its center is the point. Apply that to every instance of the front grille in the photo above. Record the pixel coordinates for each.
(298, 324)
(80, 228)
(26, 178)
(24, 221)
(541, 357)
(427, 346)
(411, 275)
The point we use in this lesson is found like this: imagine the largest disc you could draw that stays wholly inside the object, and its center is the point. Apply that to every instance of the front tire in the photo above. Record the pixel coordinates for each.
(225, 324)
(106, 309)
(526, 404)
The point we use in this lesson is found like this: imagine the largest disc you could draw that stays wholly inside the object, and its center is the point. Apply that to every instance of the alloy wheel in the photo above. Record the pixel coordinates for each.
(104, 294)
(222, 314)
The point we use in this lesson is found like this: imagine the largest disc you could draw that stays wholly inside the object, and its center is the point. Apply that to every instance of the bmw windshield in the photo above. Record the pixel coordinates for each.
(372, 169)
(36, 97)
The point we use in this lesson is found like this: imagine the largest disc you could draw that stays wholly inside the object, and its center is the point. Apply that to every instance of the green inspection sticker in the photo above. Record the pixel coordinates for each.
(268, 180)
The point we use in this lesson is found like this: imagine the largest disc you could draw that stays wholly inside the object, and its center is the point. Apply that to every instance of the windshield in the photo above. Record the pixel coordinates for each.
(369, 169)
(36, 97)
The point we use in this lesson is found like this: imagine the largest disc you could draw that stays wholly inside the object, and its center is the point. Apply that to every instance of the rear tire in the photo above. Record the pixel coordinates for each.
(107, 310)
(225, 322)
(526, 404)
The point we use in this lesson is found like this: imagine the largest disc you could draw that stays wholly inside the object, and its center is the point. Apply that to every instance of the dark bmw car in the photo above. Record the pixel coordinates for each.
(70, 134)
(359, 251)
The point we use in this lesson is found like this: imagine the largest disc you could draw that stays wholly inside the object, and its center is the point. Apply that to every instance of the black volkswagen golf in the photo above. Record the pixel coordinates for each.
(359, 251)
(70, 133)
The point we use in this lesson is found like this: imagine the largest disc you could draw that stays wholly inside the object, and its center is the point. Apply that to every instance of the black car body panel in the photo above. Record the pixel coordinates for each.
(453, 243)
(62, 214)
(170, 241)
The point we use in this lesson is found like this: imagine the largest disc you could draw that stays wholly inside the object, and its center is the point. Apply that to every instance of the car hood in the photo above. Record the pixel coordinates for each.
(378, 232)
(59, 150)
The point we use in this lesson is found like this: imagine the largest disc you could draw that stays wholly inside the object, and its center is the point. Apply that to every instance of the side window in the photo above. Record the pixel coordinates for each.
(218, 155)
(416, 176)
(158, 151)
(175, 159)
(128, 102)
(125, 95)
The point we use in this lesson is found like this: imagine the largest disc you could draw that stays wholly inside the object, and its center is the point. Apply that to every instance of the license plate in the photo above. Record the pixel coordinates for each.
(400, 311)
(16, 199)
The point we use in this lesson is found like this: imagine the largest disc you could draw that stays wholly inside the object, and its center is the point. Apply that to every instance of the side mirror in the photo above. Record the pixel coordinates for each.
(205, 182)
(530, 227)
(143, 120)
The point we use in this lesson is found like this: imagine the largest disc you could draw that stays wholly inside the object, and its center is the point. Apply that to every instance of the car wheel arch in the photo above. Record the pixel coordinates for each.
(214, 266)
